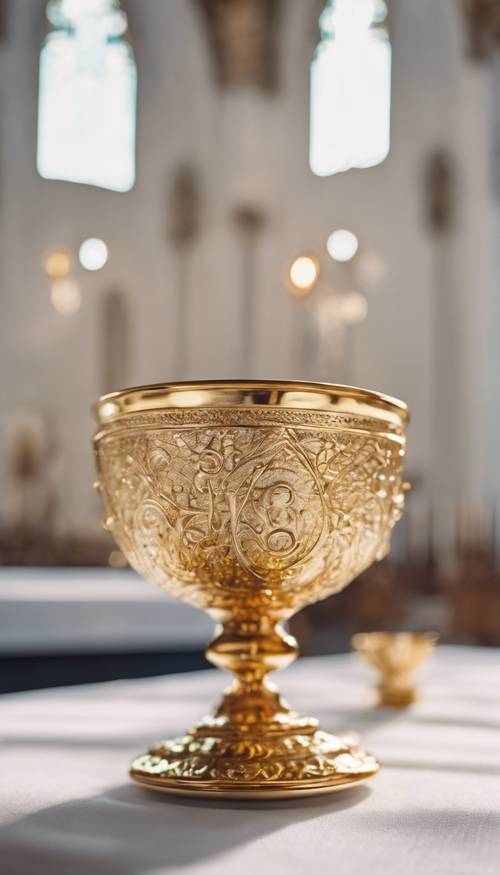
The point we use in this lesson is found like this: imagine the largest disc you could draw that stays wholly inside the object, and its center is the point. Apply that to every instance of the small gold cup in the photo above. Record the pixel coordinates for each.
(396, 656)
(251, 500)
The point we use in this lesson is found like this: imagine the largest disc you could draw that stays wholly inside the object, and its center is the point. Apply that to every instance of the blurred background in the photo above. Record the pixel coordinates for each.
(196, 189)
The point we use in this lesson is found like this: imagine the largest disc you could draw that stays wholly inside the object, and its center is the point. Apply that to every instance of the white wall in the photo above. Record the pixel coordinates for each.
(250, 148)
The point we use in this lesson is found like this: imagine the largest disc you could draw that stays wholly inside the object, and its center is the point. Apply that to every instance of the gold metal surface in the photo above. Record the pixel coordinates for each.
(395, 656)
(250, 500)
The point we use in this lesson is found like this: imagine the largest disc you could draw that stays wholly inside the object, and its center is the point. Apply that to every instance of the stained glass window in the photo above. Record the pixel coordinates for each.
(350, 88)
(87, 96)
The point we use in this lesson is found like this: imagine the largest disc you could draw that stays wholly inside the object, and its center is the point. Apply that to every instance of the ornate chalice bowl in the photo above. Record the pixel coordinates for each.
(395, 656)
(250, 500)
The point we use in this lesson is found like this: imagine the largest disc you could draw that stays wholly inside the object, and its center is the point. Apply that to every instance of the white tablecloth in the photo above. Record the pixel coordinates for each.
(67, 807)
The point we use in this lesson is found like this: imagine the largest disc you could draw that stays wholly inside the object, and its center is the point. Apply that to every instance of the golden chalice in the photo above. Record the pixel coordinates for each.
(396, 656)
(250, 500)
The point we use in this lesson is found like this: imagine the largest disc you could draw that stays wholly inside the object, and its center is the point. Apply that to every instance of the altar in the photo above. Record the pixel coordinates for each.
(66, 804)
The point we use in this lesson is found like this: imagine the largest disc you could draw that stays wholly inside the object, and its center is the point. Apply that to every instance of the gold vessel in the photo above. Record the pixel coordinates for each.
(396, 656)
(250, 500)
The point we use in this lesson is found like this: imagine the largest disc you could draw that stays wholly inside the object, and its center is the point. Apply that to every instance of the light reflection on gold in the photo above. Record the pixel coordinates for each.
(192, 398)
(108, 409)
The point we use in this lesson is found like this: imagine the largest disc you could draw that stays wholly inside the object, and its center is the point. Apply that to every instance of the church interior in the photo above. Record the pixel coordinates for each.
(245, 190)
(250, 354)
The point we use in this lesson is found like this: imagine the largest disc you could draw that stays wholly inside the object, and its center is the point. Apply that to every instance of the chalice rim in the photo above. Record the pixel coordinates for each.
(241, 394)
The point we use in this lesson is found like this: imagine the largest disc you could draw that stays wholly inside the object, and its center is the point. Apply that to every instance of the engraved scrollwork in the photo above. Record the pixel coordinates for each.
(290, 758)
(212, 510)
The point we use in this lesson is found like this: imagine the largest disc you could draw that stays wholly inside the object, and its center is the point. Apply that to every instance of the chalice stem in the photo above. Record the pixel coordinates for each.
(250, 649)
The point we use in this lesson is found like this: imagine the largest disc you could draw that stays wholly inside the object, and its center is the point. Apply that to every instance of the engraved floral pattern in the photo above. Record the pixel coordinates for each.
(281, 514)
(293, 758)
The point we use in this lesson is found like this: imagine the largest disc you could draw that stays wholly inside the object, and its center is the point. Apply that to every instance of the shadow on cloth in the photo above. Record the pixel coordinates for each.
(132, 831)
(342, 720)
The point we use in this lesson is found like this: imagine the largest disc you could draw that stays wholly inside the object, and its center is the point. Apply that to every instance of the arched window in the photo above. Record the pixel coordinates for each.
(350, 88)
(87, 96)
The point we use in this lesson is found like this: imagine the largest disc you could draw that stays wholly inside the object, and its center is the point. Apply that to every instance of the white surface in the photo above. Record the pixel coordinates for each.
(66, 805)
(51, 610)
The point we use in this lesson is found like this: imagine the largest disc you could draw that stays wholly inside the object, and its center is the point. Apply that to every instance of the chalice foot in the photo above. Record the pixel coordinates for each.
(254, 746)
(324, 764)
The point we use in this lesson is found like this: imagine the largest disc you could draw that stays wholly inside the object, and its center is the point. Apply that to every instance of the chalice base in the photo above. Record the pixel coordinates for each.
(294, 759)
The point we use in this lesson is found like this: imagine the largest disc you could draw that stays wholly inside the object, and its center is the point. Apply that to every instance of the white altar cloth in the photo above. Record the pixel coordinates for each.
(67, 807)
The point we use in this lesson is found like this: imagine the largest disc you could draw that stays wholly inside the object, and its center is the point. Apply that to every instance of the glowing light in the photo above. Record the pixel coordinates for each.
(370, 269)
(350, 88)
(346, 308)
(353, 307)
(57, 264)
(87, 96)
(303, 274)
(342, 245)
(93, 254)
(65, 296)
